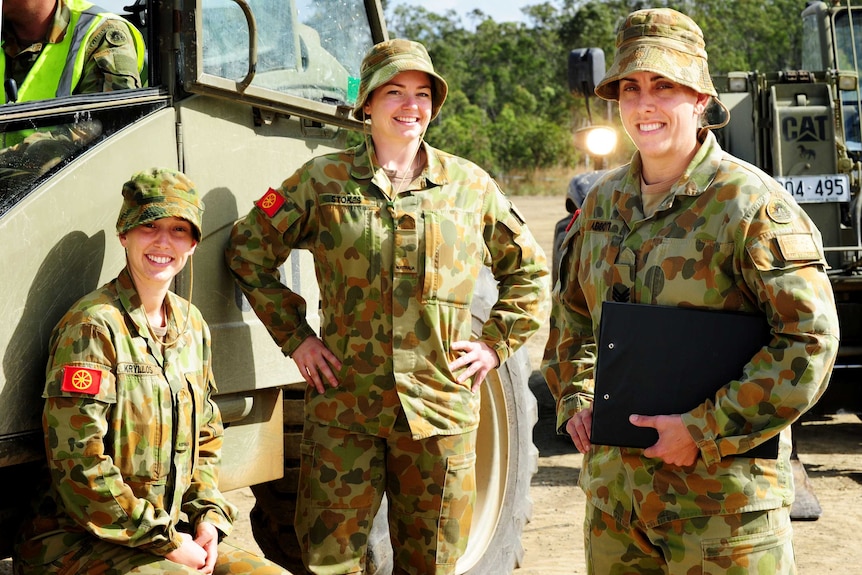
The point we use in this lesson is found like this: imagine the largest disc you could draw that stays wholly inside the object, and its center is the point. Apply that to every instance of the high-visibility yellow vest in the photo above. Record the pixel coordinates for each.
(58, 68)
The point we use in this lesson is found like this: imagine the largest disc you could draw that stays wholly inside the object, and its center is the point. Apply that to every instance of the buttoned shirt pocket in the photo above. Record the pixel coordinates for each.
(678, 269)
(454, 254)
(142, 425)
(347, 247)
(600, 273)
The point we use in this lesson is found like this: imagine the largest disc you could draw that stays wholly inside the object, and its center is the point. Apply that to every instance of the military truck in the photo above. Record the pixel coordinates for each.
(803, 128)
(241, 93)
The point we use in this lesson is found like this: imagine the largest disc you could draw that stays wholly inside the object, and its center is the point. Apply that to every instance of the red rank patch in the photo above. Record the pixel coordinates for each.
(572, 221)
(81, 380)
(270, 202)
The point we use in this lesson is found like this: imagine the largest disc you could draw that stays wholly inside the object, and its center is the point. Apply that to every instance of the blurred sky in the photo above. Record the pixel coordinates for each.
(498, 10)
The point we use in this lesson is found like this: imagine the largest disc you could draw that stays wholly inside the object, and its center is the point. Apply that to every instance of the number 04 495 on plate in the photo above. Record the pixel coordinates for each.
(811, 189)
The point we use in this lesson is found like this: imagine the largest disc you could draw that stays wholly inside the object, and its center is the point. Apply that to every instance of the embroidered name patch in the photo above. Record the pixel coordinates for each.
(81, 380)
(798, 247)
(137, 369)
(270, 202)
(344, 200)
(600, 226)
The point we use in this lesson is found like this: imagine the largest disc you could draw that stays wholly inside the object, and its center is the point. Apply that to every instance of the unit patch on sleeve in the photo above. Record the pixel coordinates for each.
(270, 202)
(778, 212)
(81, 379)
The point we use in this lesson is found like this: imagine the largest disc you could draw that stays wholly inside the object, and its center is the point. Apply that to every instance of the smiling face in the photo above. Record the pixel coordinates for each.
(662, 118)
(400, 109)
(158, 251)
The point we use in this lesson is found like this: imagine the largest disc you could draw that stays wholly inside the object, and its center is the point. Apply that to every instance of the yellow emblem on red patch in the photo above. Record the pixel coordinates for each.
(81, 380)
(270, 202)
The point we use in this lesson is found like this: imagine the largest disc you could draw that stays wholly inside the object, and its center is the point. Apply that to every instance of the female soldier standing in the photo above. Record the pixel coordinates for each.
(399, 232)
(685, 224)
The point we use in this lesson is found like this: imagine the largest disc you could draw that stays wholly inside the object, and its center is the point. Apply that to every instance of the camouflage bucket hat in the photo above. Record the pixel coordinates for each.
(386, 60)
(663, 41)
(159, 193)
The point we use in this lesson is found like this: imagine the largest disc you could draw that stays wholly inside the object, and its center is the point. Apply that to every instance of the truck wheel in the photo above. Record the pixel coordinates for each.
(506, 461)
(505, 465)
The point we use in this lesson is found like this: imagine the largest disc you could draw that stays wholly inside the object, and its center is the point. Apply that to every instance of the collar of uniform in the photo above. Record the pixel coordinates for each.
(133, 306)
(435, 170)
(62, 17)
(699, 174)
(365, 159)
(702, 170)
(362, 166)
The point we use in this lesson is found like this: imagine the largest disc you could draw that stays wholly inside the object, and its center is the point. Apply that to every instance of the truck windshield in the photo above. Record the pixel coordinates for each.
(39, 138)
(306, 48)
(848, 51)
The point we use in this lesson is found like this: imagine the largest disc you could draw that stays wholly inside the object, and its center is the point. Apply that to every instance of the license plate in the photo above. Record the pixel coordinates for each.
(817, 189)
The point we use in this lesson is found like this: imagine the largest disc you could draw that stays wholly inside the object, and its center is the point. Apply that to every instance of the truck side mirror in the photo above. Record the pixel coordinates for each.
(586, 70)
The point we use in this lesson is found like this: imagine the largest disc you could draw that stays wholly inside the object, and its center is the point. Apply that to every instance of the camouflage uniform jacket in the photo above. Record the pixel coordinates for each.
(111, 61)
(140, 448)
(396, 276)
(727, 237)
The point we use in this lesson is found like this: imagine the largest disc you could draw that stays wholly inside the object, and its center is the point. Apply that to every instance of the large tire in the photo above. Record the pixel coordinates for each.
(505, 465)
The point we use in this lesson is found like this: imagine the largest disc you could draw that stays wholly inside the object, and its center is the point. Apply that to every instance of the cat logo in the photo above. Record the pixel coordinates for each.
(804, 128)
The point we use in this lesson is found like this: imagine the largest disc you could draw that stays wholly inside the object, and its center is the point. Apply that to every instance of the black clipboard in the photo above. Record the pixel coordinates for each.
(659, 360)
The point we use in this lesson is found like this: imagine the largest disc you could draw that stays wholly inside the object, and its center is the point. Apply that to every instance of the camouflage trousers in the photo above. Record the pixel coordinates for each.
(105, 558)
(753, 543)
(430, 485)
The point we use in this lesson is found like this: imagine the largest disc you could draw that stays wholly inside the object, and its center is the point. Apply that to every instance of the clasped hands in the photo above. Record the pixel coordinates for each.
(675, 445)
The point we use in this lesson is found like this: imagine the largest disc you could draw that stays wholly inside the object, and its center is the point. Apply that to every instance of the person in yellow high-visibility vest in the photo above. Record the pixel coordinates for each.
(54, 48)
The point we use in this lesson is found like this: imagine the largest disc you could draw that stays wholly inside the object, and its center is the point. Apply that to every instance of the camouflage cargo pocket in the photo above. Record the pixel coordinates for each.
(456, 514)
(769, 552)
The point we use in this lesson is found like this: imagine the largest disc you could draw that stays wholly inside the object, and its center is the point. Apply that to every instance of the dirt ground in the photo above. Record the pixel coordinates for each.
(830, 446)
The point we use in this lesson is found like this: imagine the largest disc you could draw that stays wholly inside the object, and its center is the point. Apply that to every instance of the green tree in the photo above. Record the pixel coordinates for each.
(510, 107)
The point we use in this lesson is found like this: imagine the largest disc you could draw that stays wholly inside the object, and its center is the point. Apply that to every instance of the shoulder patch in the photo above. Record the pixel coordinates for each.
(779, 212)
(270, 202)
(572, 221)
(796, 247)
(81, 380)
(117, 37)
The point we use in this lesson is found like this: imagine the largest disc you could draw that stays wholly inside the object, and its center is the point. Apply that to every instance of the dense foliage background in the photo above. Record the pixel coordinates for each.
(509, 107)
